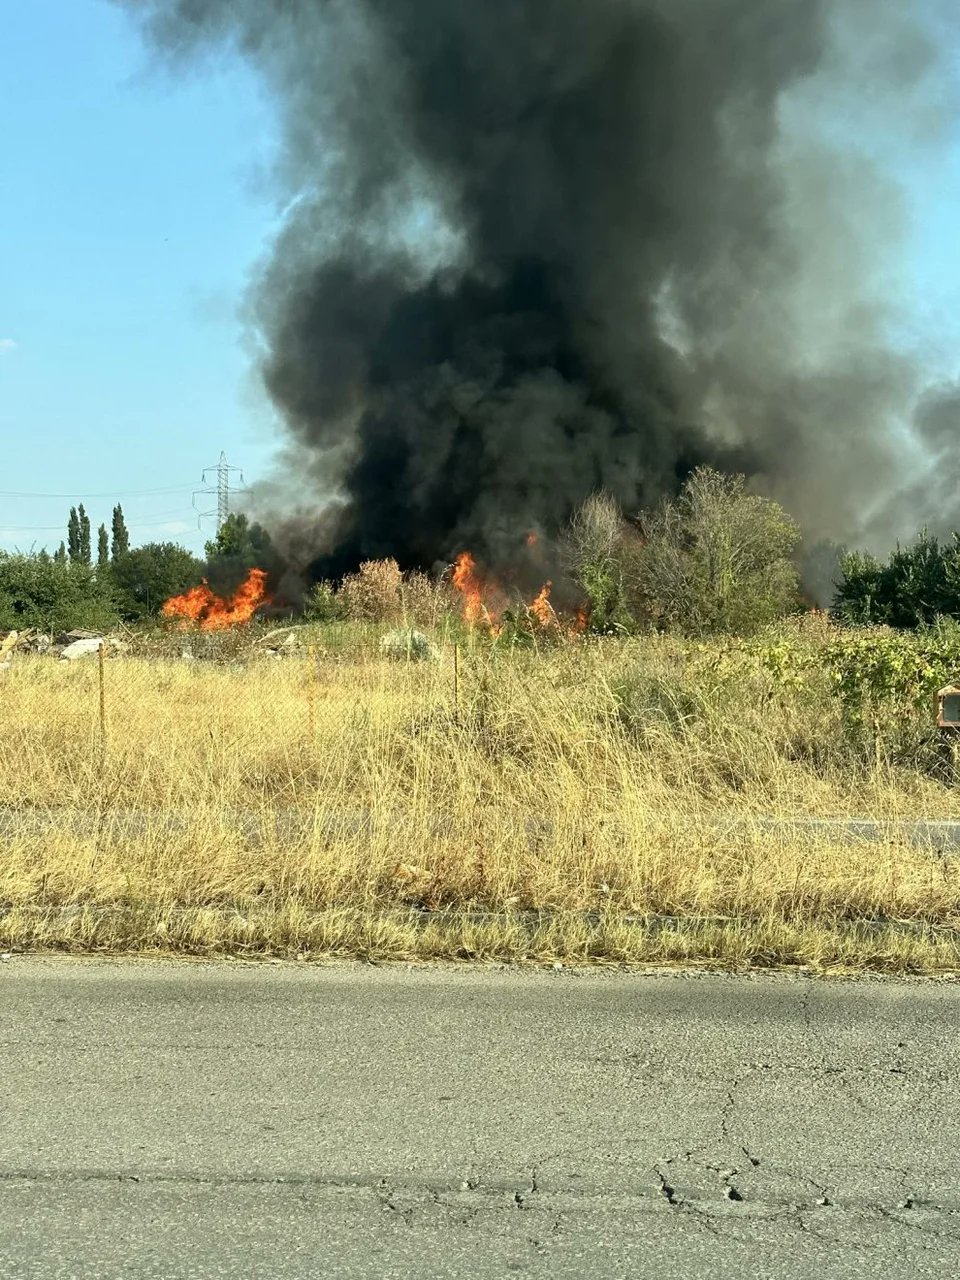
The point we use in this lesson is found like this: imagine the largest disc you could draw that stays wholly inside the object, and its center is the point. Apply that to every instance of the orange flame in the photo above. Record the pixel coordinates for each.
(469, 583)
(212, 612)
(542, 609)
(484, 600)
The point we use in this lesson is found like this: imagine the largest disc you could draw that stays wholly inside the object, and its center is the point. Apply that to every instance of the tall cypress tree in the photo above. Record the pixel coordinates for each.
(85, 550)
(73, 535)
(103, 548)
(121, 539)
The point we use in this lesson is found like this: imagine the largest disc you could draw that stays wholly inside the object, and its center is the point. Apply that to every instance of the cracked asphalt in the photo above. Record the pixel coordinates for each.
(174, 1119)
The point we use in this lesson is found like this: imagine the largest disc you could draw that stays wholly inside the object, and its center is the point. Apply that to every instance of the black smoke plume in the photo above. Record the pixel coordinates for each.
(538, 247)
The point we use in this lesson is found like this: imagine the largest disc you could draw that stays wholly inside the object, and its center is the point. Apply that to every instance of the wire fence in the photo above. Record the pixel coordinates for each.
(100, 691)
(237, 775)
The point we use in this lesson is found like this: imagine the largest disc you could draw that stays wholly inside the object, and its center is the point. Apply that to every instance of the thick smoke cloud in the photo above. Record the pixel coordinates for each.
(537, 247)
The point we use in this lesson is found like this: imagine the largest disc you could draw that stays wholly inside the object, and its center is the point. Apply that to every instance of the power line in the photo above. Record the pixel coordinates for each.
(81, 495)
(157, 518)
(221, 490)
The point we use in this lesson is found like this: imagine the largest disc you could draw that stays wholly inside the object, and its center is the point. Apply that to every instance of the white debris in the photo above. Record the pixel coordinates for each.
(81, 649)
(406, 643)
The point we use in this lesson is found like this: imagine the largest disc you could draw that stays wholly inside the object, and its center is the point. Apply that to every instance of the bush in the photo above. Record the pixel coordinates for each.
(716, 559)
(149, 575)
(47, 595)
(597, 546)
(882, 682)
(917, 585)
(372, 594)
(323, 604)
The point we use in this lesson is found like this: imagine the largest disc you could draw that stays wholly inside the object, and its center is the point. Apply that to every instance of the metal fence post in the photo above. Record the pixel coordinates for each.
(103, 707)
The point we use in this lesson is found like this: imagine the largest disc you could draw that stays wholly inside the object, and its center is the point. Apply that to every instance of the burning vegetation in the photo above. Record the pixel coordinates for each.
(486, 601)
(210, 612)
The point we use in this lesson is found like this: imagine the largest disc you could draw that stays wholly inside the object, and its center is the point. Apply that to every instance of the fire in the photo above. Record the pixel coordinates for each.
(542, 609)
(212, 612)
(470, 585)
(485, 599)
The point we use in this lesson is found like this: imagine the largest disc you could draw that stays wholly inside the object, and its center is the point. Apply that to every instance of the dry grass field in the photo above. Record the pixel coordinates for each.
(605, 800)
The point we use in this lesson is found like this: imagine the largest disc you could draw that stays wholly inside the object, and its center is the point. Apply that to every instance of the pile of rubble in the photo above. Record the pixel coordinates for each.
(67, 645)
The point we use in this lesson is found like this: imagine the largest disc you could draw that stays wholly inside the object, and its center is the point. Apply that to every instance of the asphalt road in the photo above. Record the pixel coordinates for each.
(176, 1120)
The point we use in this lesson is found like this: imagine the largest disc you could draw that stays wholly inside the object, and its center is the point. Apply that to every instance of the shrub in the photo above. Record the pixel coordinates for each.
(716, 559)
(597, 545)
(917, 585)
(372, 594)
(882, 683)
(323, 604)
(39, 592)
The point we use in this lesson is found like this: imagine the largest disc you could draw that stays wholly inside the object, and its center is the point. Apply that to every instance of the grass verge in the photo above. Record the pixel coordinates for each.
(291, 932)
(605, 802)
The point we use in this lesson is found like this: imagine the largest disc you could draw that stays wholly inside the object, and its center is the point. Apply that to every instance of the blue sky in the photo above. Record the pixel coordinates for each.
(133, 207)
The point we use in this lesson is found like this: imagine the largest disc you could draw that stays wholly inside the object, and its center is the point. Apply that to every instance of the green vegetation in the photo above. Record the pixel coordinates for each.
(238, 547)
(51, 594)
(600, 548)
(715, 560)
(120, 538)
(144, 578)
(103, 550)
(913, 588)
(68, 590)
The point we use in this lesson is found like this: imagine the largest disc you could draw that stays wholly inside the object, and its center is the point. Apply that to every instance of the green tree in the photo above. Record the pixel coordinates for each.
(241, 542)
(717, 558)
(917, 585)
(73, 536)
(60, 555)
(598, 545)
(52, 594)
(103, 549)
(120, 539)
(238, 547)
(147, 576)
(85, 548)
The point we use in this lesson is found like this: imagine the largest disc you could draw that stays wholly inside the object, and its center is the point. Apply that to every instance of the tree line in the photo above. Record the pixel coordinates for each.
(720, 559)
(714, 559)
(75, 588)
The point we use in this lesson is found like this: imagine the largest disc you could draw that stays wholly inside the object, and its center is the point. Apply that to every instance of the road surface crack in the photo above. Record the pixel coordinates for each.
(668, 1191)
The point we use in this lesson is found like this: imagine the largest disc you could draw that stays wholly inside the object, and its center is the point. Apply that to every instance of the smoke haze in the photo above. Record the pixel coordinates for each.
(538, 247)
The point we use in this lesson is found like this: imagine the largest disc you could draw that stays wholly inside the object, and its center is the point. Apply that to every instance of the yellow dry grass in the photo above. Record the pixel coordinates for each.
(596, 801)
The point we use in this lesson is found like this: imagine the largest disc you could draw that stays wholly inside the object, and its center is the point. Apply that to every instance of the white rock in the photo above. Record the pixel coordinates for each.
(80, 649)
(404, 643)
